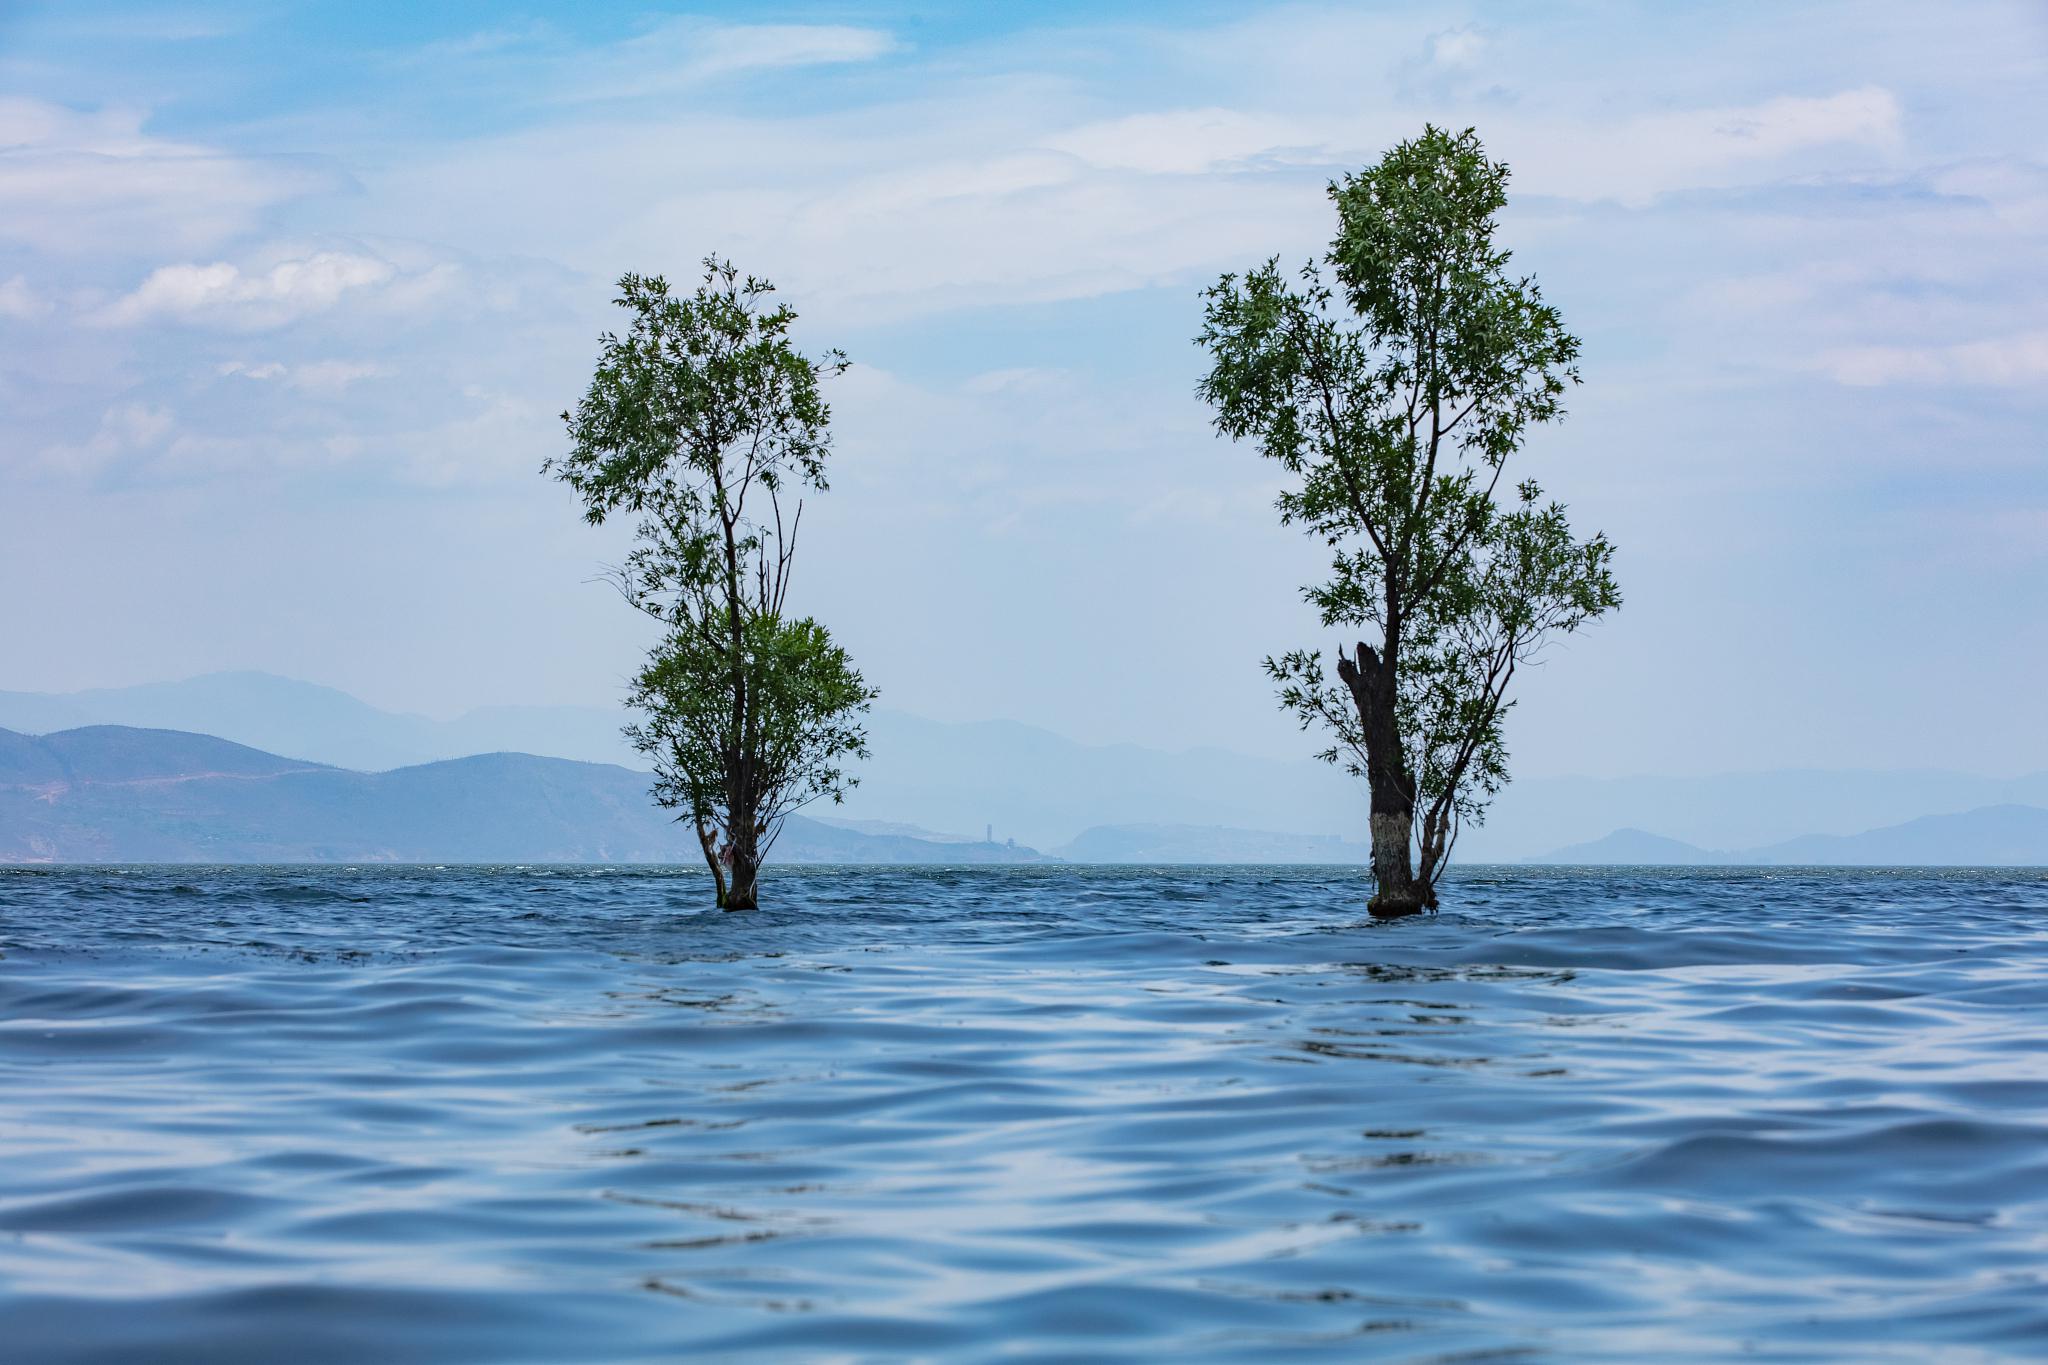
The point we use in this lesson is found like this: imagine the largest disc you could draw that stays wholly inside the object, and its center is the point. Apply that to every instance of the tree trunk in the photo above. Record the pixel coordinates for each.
(745, 870)
(711, 860)
(744, 892)
(1373, 690)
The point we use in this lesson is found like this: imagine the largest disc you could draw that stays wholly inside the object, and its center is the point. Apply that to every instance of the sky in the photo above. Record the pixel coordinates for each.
(292, 296)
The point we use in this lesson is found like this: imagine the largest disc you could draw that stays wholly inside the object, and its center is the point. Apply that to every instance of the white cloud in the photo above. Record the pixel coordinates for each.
(269, 369)
(502, 437)
(78, 183)
(332, 376)
(1636, 159)
(686, 52)
(976, 193)
(20, 300)
(1191, 141)
(134, 426)
(984, 195)
(498, 437)
(1019, 230)
(224, 293)
(1003, 441)
(149, 442)
(1066, 162)
(1456, 48)
(723, 49)
(2003, 362)
(482, 43)
(125, 430)
(1789, 123)
(414, 289)
(319, 376)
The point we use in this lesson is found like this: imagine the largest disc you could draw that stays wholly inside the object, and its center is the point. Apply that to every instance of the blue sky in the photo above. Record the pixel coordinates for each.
(291, 294)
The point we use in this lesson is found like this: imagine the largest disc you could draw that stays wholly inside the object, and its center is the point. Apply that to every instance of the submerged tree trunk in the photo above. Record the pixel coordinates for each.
(744, 838)
(744, 893)
(711, 860)
(745, 889)
(1372, 684)
(742, 798)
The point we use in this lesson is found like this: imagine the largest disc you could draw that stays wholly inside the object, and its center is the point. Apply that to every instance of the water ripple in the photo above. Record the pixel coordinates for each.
(458, 1114)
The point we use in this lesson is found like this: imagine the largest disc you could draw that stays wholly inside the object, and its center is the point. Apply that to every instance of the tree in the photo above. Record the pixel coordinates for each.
(1394, 397)
(706, 422)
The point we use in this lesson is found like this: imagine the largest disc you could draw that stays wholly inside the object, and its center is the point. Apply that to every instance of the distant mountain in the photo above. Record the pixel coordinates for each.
(1633, 847)
(1045, 790)
(115, 753)
(118, 794)
(121, 794)
(1208, 844)
(1030, 784)
(282, 715)
(1992, 836)
(1729, 810)
(897, 827)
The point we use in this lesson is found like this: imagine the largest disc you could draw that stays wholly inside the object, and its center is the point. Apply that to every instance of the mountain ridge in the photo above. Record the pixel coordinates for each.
(1047, 791)
(127, 794)
(2002, 835)
(123, 794)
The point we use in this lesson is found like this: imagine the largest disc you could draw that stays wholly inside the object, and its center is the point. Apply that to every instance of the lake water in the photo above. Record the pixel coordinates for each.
(568, 1114)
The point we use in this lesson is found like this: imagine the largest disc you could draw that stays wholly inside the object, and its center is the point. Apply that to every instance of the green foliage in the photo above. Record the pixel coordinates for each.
(706, 422)
(804, 699)
(704, 405)
(1393, 381)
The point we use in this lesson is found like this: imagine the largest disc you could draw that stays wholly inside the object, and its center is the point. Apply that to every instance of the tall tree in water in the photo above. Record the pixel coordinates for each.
(1393, 382)
(706, 422)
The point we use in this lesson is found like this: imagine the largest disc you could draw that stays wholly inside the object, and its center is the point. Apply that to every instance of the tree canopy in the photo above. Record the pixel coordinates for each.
(705, 421)
(1393, 381)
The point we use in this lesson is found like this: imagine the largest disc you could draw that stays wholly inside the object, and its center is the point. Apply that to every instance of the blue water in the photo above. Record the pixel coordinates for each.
(532, 1114)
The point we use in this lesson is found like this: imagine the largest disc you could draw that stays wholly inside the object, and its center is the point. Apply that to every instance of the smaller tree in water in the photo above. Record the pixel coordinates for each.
(1395, 397)
(704, 420)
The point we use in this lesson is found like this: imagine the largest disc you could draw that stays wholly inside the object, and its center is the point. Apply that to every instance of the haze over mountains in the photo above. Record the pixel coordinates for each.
(1116, 803)
(116, 794)
(306, 720)
(1990, 836)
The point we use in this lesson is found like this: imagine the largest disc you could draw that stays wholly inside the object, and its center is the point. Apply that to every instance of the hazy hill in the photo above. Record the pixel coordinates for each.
(1634, 847)
(896, 827)
(117, 794)
(1030, 784)
(1992, 836)
(116, 753)
(1995, 836)
(120, 794)
(1733, 810)
(1045, 790)
(283, 715)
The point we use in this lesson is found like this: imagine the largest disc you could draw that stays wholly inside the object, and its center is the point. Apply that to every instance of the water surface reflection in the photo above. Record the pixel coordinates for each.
(546, 1114)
